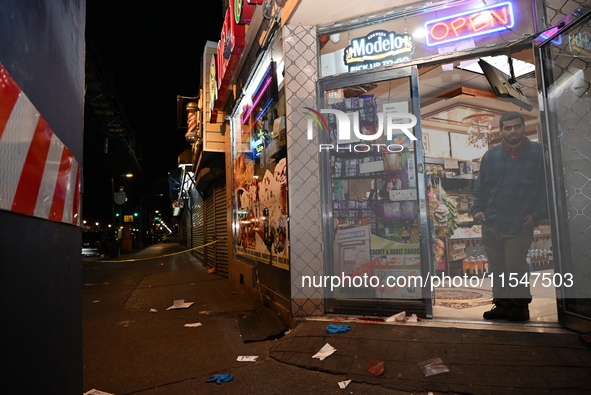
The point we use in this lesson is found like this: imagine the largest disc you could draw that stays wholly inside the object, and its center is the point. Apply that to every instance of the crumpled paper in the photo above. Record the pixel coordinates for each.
(326, 351)
(397, 317)
(180, 304)
(433, 366)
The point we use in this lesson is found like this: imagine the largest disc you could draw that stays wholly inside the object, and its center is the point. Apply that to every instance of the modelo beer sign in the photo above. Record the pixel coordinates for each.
(378, 48)
(471, 23)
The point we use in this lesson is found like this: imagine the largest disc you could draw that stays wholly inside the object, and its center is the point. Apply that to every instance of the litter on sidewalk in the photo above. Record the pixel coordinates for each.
(397, 317)
(326, 351)
(344, 384)
(96, 392)
(375, 367)
(433, 366)
(180, 304)
(220, 378)
(247, 358)
(401, 317)
(193, 325)
(332, 328)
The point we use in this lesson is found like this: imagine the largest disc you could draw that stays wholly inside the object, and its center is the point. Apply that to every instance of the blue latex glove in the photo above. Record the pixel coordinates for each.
(332, 328)
(220, 378)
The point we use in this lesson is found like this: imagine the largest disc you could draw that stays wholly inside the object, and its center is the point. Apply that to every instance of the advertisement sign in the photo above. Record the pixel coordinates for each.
(262, 212)
(378, 48)
(470, 23)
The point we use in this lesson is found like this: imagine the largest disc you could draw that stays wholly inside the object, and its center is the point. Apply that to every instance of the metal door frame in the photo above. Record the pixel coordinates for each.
(556, 192)
(384, 307)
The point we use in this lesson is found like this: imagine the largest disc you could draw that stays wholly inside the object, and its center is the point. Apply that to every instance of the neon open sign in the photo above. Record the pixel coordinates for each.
(472, 23)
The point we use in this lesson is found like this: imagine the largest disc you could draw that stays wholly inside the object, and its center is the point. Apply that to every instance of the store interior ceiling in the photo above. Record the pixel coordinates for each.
(450, 94)
(444, 88)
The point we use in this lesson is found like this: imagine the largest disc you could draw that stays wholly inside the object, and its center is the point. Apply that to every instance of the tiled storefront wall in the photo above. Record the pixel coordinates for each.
(570, 96)
(305, 226)
(558, 9)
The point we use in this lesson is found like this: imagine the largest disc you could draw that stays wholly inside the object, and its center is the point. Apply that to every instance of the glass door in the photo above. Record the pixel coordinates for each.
(375, 213)
(564, 60)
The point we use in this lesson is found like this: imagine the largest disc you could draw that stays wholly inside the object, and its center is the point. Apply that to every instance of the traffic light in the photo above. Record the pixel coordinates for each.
(135, 214)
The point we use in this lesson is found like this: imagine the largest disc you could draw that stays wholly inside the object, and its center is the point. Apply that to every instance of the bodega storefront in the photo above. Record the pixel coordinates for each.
(420, 94)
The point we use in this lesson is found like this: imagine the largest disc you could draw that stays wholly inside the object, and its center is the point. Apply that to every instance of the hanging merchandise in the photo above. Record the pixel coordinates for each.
(432, 203)
(449, 212)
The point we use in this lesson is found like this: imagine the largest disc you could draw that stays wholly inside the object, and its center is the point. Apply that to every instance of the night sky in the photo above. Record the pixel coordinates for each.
(152, 53)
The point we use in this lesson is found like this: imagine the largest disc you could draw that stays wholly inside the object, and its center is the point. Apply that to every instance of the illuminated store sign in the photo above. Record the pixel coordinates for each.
(257, 146)
(243, 11)
(472, 23)
(378, 48)
(230, 48)
(213, 86)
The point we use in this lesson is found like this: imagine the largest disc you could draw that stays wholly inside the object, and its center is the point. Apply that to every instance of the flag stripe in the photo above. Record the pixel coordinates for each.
(70, 189)
(61, 186)
(47, 188)
(9, 93)
(25, 197)
(76, 204)
(14, 145)
(38, 174)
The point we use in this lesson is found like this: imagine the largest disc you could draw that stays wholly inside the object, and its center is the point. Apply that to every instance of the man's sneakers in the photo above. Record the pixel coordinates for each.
(511, 311)
(498, 312)
(518, 312)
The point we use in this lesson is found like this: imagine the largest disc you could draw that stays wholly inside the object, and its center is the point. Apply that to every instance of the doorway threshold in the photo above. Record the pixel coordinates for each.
(527, 326)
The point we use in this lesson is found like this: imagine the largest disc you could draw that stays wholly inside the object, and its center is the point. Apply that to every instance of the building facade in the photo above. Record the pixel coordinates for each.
(353, 139)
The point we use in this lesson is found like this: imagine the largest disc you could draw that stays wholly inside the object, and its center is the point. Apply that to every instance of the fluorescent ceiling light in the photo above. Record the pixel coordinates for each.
(501, 62)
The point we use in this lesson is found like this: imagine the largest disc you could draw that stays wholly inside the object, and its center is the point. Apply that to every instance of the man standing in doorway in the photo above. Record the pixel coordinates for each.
(509, 200)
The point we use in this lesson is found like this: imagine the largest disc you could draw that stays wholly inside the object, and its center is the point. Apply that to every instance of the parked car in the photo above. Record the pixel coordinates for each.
(93, 244)
(169, 239)
(102, 244)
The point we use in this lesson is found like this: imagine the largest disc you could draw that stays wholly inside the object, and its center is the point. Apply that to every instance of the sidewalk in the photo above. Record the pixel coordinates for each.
(480, 361)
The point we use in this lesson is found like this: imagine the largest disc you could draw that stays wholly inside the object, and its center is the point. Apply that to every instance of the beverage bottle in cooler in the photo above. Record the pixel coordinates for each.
(485, 264)
(528, 260)
(475, 264)
(466, 265)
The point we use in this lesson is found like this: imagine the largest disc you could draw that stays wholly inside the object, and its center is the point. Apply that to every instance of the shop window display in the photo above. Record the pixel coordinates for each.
(260, 173)
(374, 202)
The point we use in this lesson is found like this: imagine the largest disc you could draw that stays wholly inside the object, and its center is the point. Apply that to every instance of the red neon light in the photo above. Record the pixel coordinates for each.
(470, 23)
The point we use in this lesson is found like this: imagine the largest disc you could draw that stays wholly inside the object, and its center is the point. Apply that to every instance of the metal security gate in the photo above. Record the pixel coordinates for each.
(216, 255)
(210, 256)
(221, 230)
(198, 225)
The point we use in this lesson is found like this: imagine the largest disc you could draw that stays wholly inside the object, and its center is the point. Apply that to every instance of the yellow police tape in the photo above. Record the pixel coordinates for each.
(159, 256)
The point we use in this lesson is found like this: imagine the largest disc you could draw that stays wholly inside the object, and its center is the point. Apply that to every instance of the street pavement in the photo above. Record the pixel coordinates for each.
(134, 345)
(130, 350)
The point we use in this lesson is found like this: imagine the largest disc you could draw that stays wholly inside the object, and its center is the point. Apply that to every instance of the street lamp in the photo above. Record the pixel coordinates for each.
(142, 219)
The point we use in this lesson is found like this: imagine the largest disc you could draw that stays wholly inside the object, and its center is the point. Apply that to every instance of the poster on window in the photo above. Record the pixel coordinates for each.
(261, 207)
